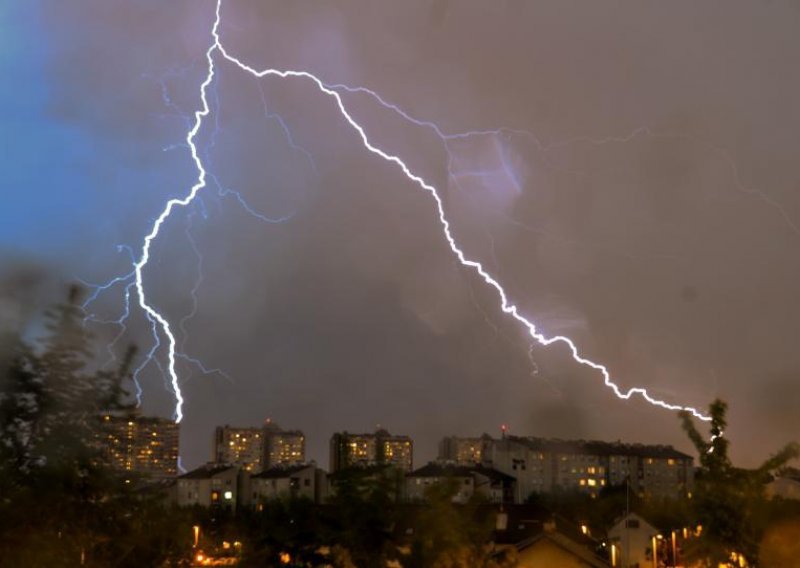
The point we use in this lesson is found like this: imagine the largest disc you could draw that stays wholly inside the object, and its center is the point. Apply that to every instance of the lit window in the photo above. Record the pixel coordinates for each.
(229, 495)
(592, 482)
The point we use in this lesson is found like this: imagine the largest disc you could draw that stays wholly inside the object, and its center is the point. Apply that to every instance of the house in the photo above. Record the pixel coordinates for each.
(494, 486)
(540, 540)
(553, 549)
(295, 481)
(212, 485)
(631, 537)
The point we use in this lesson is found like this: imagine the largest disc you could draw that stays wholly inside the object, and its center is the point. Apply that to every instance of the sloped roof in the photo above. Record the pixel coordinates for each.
(435, 469)
(567, 544)
(618, 522)
(280, 472)
(596, 447)
(207, 471)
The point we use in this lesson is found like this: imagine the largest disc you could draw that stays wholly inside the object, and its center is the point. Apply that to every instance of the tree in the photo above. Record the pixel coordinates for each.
(729, 502)
(60, 505)
(21, 405)
(450, 535)
(363, 512)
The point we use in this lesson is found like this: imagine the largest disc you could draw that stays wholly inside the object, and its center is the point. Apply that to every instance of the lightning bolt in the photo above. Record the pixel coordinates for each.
(509, 308)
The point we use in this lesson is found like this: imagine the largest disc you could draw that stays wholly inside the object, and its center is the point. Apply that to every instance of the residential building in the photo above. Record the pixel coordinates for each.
(494, 486)
(462, 451)
(553, 548)
(142, 445)
(282, 482)
(239, 446)
(282, 447)
(365, 450)
(212, 485)
(528, 464)
(630, 540)
(542, 465)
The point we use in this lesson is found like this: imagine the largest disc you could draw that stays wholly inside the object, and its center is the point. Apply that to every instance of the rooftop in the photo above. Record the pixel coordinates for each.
(280, 472)
(595, 447)
(439, 469)
(207, 471)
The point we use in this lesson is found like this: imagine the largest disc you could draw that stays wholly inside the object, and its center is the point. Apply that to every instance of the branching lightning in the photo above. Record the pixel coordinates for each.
(332, 91)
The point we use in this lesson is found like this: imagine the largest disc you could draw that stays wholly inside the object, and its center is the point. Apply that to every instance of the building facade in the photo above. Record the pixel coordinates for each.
(366, 450)
(462, 451)
(542, 465)
(631, 541)
(467, 480)
(283, 482)
(212, 485)
(283, 447)
(239, 446)
(255, 449)
(142, 445)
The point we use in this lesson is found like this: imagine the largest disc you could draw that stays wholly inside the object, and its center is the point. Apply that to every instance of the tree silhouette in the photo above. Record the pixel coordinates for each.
(59, 504)
(729, 502)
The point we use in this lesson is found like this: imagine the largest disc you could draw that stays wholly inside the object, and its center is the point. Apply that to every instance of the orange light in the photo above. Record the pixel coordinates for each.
(285, 558)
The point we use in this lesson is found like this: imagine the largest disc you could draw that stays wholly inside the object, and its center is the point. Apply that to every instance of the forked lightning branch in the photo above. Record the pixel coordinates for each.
(218, 54)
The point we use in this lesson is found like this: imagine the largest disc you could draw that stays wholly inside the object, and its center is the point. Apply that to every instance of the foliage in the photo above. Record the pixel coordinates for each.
(362, 514)
(450, 535)
(288, 526)
(728, 502)
(60, 505)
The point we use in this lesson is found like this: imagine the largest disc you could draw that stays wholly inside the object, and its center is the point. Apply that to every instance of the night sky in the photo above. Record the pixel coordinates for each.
(644, 199)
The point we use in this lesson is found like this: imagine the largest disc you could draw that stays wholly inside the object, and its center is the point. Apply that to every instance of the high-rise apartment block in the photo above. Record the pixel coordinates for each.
(257, 449)
(462, 451)
(240, 446)
(283, 447)
(142, 445)
(365, 450)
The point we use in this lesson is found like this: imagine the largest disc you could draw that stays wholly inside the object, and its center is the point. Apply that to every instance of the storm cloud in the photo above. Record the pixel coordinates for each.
(643, 200)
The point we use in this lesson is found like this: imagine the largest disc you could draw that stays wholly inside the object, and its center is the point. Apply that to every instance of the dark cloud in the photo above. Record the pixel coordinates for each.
(651, 212)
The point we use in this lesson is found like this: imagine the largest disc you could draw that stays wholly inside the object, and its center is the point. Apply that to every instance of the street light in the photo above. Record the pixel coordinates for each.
(654, 549)
(674, 550)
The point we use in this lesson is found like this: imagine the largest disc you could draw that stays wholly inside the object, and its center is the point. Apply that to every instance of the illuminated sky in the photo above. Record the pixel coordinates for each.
(645, 204)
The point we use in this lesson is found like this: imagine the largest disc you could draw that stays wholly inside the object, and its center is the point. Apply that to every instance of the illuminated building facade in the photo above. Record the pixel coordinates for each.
(365, 450)
(462, 451)
(212, 485)
(283, 447)
(542, 465)
(142, 445)
(240, 446)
